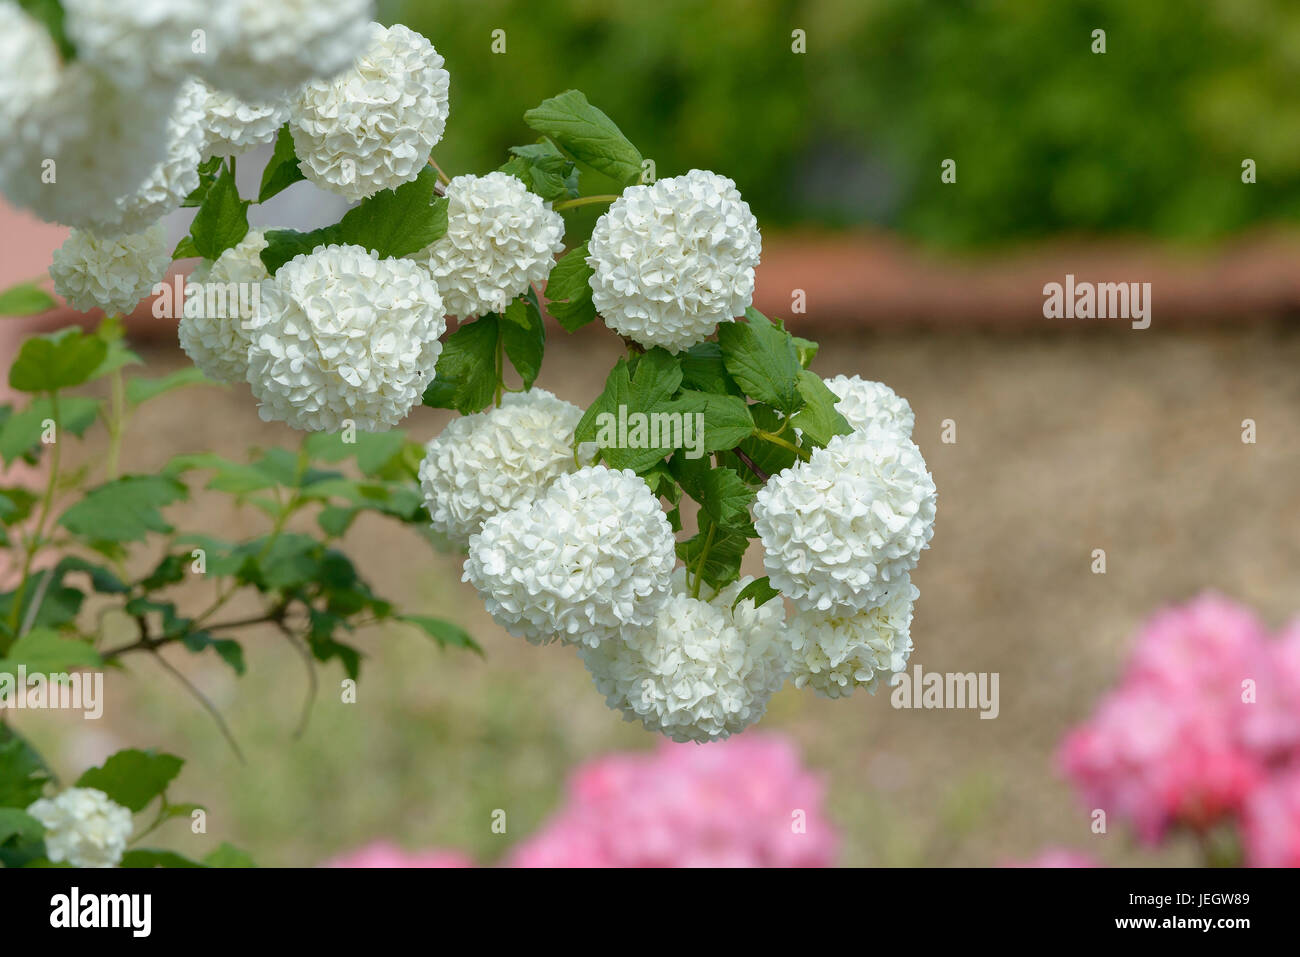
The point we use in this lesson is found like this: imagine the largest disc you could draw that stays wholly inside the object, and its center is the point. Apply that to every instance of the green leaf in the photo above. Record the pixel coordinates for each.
(143, 389)
(768, 457)
(465, 377)
(806, 350)
(284, 244)
(125, 509)
(58, 361)
(227, 855)
(153, 857)
(524, 336)
(568, 290)
(727, 420)
(720, 491)
(229, 650)
(282, 169)
(704, 371)
(50, 13)
(104, 580)
(222, 220)
(543, 169)
(398, 222)
(586, 134)
(726, 551)
(185, 249)
(208, 172)
(443, 632)
(20, 824)
(22, 433)
(760, 590)
(133, 778)
(762, 358)
(818, 419)
(646, 391)
(25, 299)
(46, 651)
(23, 775)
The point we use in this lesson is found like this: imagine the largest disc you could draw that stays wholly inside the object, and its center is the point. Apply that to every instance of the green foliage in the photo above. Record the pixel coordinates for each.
(25, 299)
(583, 132)
(222, 219)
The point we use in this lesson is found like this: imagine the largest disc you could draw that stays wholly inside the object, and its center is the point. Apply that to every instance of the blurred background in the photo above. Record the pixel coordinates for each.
(1071, 436)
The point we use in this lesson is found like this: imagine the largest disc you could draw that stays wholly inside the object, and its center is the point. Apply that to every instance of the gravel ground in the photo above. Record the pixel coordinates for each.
(1117, 440)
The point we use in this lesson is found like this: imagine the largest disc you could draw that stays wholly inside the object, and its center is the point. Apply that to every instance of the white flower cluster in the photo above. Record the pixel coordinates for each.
(234, 126)
(866, 405)
(218, 345)
(833, 653)
(701, 670)
(341, 335)
(590, 557)
(83, 827)
(501, 237)
(372, 126)
(841, 529)
(672, 260)
(109, 140)
(497, 460)
(172, 178)
(110, 274)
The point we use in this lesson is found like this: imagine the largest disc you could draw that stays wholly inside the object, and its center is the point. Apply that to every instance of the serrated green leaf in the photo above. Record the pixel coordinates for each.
(543, 169)
(465, 377)
(22, 433)
(443, 632)
(143, 389)
(282, 170)
(125, 509)
(760, 591)
(587, 134)
(222, 219)
(284, 244)
(58, 361)
(25, 299)
(646, 391)
(818, 419)
(398, 222)
(806, 349)
(133, 777)
(524, 338)
(726, 418)
(726, 550)
(46, 651)
(568, 290)
(762, 358)
(209, 169)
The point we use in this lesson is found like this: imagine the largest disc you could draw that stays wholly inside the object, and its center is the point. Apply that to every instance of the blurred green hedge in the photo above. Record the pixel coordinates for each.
(1048, 136)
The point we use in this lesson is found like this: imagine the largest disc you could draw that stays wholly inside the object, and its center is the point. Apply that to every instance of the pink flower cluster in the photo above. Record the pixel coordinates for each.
(1203, 728)
(743, 802)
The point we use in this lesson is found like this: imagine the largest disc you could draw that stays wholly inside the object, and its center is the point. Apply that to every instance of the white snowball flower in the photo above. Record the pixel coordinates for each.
(372, 126)
(340, 334)
(110, 274)
(137, 41)
(31, 62)
(592, 554)
(74, 137)
(865, 405)
(219, 344)
(835, 653)
(700, 671)
(233, 126)
(83, 827)
(673, 260)
(501, 237)
(840, 530)
(497, 460)
(171, 180)
(265, 49)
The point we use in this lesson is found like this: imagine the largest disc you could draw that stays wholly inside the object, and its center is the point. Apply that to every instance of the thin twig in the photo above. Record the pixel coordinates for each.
(29, 619)
(207, 704)
(305, 652)
(750, 464)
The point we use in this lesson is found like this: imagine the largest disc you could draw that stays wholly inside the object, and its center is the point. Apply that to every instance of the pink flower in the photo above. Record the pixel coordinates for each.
(1056, 857)
(743, 802)
(385, 854)
(1270, 823)
(1199, 718)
